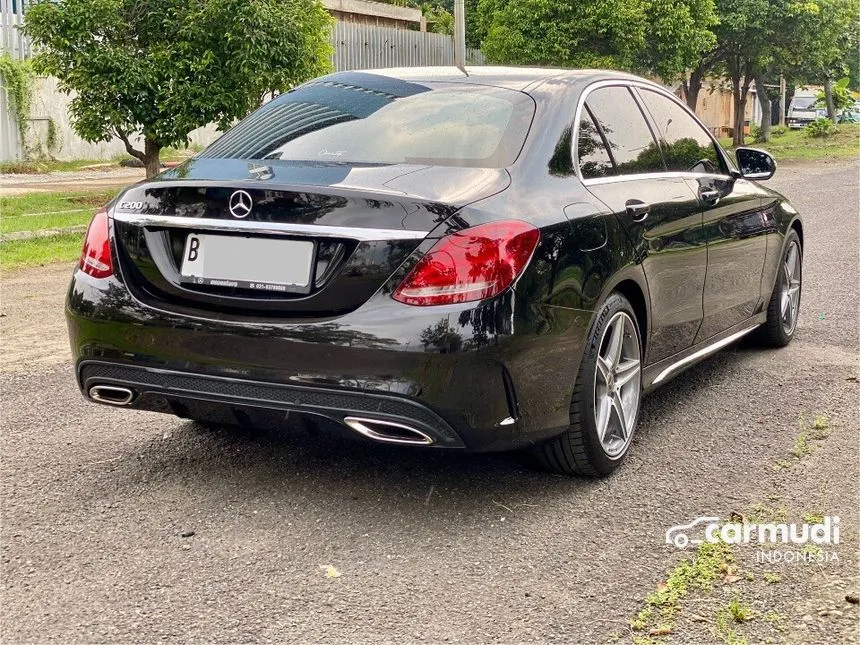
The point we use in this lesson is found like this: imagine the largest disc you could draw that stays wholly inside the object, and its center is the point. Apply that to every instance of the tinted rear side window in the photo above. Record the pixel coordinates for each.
(593, 157)
(687, 147)
(364, 118)
(626, 131)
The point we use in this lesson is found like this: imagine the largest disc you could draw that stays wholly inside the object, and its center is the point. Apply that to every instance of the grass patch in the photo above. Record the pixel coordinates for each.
(771, 578)
(53, 165)
(814, 518)
(16, 254)
(739, 611)
(817, 431)
(820, 427)
(763, 513)
(776, 620)
(701, 571)
(801, 445)
(48, 165)
(795, 145)
(735, 613)
(40, 211)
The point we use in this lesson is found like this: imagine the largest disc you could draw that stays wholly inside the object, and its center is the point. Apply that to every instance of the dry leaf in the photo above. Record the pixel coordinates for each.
(330, 571)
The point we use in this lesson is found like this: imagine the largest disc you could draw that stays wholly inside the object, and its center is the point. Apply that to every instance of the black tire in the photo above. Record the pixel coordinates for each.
(773, 332)
(578, 450)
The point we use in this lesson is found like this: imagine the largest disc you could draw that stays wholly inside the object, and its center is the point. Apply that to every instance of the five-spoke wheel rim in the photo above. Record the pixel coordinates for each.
(789, 296)
(617, 384)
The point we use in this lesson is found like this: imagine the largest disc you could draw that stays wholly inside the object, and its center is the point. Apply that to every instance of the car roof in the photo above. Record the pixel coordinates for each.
(514, 78)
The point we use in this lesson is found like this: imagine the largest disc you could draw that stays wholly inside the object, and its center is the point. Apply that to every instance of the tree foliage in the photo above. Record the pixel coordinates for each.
(841, 96)
(162, 68)
(659, 36)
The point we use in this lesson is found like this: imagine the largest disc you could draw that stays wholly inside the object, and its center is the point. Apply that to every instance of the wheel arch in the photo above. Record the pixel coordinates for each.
(631, 284)
(797, 226)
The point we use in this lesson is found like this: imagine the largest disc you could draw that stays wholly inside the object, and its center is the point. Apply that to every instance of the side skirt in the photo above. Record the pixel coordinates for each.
(657, 374)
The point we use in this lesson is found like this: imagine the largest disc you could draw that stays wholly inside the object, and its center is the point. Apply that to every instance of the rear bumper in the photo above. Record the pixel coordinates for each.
(467, 377)
(195, 396)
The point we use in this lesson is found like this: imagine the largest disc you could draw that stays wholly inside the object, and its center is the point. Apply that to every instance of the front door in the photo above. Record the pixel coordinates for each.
(622, 165)
(735, 226)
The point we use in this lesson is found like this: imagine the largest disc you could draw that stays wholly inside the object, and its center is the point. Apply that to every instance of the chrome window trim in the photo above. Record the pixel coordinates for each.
(268, 228)
(630, 83)
(673, 174)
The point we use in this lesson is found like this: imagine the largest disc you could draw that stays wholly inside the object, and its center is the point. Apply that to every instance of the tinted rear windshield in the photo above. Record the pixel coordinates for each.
(365, 118)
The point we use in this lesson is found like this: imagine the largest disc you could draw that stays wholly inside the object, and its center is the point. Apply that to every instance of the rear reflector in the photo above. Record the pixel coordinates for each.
(95, 258)
(472, 264)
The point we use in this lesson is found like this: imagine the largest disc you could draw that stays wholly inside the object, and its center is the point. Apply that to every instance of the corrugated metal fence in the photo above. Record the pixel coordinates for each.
(13, 43)
(358, 46)
(11, 39)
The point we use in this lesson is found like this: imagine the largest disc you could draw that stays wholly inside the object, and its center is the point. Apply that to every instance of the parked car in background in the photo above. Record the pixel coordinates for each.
(850, 115)
(802, 109)
(488, 259)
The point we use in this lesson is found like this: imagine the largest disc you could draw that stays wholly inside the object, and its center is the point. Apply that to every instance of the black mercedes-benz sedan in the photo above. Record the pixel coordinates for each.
(479, 259)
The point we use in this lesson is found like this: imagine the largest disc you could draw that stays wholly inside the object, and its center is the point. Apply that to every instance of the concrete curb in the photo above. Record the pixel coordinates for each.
(32, 235)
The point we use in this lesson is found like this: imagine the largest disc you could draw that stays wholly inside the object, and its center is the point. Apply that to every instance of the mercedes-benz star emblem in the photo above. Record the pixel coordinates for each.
(241, 204)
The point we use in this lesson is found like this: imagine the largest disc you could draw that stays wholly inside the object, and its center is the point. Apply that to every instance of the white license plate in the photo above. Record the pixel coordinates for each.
(247, 262)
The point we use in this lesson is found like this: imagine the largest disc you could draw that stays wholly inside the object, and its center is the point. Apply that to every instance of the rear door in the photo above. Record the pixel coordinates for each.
(735, 227)
(621, 164)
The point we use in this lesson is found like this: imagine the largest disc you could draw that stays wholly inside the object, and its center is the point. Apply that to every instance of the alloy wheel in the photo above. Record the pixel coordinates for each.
(789, 298)
(617, 384)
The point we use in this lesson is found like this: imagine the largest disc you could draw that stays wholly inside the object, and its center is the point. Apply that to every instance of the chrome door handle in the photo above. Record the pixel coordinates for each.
(637, 210)
(710, 197)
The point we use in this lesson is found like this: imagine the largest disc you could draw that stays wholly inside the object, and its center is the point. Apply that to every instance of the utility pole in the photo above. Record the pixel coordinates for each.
(782, 99)
(460, 33)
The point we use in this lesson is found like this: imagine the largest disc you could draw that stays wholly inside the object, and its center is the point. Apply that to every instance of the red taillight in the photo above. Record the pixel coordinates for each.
(95, 258)
(473, 264)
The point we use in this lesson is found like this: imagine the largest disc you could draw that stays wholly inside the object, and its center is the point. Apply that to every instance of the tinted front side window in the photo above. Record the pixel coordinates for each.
(626, 131)
(365, 118)
(687, 147)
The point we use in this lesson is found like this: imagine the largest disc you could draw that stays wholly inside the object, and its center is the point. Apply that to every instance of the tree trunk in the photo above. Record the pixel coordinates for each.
(151, 161)
(828, 99)
(741, 75)
(764, 102)
(692, 87)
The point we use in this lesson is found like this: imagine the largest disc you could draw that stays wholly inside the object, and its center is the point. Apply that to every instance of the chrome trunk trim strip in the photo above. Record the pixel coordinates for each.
(268, 228)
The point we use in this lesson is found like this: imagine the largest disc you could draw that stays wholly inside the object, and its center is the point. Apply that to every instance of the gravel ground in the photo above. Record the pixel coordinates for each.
(123, 526)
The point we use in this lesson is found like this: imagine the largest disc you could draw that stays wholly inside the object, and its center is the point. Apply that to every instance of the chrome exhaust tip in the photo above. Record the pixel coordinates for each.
(388, 431)
(111, 394)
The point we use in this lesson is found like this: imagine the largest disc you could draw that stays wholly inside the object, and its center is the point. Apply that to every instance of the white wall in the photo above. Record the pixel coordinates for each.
(49, 104)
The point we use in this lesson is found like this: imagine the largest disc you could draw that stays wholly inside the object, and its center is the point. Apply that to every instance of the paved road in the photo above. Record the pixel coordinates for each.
(430, 547)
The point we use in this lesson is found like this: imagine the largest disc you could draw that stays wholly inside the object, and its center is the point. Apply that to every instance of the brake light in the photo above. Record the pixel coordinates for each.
(95, 258)
(472, 264)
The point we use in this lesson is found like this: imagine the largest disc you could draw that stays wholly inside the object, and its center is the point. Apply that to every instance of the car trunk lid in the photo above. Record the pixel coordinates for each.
(278, 239)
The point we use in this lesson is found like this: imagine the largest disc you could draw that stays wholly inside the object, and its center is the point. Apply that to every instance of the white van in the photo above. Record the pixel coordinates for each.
(801, 110)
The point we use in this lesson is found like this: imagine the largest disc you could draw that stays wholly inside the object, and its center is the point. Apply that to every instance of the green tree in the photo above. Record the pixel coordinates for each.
(840, 96)
(663, 37)
(159, 69)
(744, 34)
(439, 19)
(822, 44)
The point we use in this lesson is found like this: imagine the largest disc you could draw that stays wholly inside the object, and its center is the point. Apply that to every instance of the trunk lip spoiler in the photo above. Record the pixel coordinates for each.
(268, 228)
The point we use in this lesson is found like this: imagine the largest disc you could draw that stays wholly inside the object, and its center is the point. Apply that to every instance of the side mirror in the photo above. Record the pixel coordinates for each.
(755, 163)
